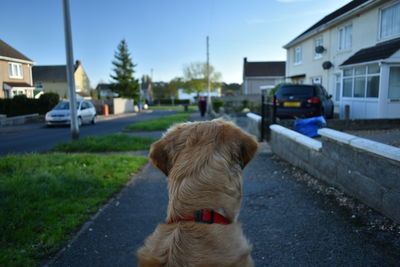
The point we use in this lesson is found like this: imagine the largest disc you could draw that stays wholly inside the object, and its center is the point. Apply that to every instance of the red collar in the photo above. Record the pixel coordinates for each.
(203, 216)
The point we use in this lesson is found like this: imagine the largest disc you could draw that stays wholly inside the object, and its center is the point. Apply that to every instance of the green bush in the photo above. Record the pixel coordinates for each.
(48, 101)
(166, 101)
(216, 104)
(21, 105)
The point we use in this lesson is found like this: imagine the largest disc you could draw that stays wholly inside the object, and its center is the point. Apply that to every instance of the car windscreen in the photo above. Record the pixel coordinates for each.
(64, 106)
(299, 91)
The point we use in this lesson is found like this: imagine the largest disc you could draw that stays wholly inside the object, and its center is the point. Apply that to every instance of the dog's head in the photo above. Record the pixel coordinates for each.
(202, 142)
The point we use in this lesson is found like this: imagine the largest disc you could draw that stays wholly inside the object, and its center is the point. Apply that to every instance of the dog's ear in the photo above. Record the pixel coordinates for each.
(159, 156)
(248, 148)
(245, 145)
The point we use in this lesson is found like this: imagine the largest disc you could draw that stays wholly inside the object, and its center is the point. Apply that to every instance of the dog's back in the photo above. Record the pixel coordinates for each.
(203, 162)
(196, 244)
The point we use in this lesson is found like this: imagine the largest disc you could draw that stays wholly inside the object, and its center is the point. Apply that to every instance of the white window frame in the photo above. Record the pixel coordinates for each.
(338, 87)
(354, 76)
(316, 80)
(319, 41)
(342, 45)
(15, 70)
(298, 57)
(381, 10)
(392, 99)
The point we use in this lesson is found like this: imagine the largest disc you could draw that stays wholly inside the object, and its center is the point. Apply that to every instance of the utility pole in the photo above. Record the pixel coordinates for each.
(209, 107)
(70, 71)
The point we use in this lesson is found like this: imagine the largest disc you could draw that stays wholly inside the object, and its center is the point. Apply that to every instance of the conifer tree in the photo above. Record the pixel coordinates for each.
(124, 82)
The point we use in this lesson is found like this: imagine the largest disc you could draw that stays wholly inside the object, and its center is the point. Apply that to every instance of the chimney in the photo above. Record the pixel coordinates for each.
(77, 63)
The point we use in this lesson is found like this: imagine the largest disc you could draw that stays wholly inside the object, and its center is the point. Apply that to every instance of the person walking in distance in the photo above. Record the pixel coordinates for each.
(202, 105)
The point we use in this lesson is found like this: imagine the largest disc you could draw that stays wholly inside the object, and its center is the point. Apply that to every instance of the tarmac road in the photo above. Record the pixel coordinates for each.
(287, 223)
(36, 137)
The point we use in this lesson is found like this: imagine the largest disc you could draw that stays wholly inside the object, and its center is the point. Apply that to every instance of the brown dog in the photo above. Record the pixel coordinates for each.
(203, 161)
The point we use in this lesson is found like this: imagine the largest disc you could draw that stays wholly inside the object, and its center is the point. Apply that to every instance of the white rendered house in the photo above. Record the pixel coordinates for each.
(354, 52)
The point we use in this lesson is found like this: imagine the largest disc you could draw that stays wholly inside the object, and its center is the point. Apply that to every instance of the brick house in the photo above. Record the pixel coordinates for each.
(15, 72)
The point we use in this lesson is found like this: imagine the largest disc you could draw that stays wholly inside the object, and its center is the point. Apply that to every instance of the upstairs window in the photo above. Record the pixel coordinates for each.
(390, 21)
(297, 55)
(15, 70)
(345, 37)
(318, 42)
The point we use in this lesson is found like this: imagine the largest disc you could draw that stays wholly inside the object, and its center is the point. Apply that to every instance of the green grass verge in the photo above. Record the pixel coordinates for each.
(104, 143)
(159, 124)
(178, 107)
(44, 198)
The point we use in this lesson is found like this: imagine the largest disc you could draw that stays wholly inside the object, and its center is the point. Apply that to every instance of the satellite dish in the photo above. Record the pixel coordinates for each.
(327, 65)
(319, 49)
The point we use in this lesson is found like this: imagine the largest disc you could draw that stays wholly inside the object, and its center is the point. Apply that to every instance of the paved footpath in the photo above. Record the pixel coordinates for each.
(287, 223)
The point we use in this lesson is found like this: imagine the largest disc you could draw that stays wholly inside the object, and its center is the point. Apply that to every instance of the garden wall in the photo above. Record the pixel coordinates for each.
(122, 105)
(364, 169)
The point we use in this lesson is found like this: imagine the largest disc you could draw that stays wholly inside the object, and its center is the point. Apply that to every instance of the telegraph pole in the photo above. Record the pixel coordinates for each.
(70, 71)
(209, 107)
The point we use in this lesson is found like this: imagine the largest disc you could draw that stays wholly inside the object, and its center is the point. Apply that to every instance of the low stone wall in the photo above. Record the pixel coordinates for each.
(122, 105)
(364, 169)
(16, 120)
(358, 124)
(253, 124)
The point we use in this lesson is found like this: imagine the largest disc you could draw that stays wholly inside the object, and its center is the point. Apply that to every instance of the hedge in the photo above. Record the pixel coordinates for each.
(21, 105)
(169, 101)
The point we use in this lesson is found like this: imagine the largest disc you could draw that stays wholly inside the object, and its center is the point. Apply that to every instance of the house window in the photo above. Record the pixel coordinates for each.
(38, 86)
(345, 37)
(316, 80)
(17, 92)
(337, 87)
(390, 21)
(318, 42)
(15, 70)
(394, 83)
(361, 82)
(297, 55)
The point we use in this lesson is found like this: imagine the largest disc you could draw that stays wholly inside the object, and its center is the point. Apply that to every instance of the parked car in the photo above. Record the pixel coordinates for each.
(60, 115)
(303, 101)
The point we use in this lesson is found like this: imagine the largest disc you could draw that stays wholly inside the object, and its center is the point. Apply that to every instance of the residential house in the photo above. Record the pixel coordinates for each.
(261, 75)
(354, 52)
(105, 92)
(15, 72)
(54, 79)
(146, 91)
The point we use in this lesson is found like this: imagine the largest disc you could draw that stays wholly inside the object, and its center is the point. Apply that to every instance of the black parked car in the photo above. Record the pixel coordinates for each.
(303, 101)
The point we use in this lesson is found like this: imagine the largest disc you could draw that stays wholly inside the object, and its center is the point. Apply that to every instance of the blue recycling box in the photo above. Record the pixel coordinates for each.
(309, 126)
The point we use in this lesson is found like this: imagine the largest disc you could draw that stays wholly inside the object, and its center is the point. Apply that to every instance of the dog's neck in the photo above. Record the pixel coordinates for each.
(221, 192)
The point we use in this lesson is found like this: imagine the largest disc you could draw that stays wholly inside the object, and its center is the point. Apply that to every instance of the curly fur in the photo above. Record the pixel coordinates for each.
(203, 161)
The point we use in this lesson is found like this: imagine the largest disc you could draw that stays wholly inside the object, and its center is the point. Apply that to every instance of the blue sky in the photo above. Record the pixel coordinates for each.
(162, 35)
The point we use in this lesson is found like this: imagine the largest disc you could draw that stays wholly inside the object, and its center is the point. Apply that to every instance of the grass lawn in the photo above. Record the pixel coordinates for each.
(45, 198)
(104, 143)
(159, 124)
(178, 107)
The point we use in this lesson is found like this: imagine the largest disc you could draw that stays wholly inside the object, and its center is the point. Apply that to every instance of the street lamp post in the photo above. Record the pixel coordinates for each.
(70, 71)
(209, 103)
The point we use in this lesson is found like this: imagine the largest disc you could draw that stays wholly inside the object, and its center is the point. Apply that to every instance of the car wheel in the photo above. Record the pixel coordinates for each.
(94, 120)
(79, 121)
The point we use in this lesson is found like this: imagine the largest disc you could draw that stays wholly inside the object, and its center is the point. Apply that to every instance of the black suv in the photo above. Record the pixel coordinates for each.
(303, 101)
